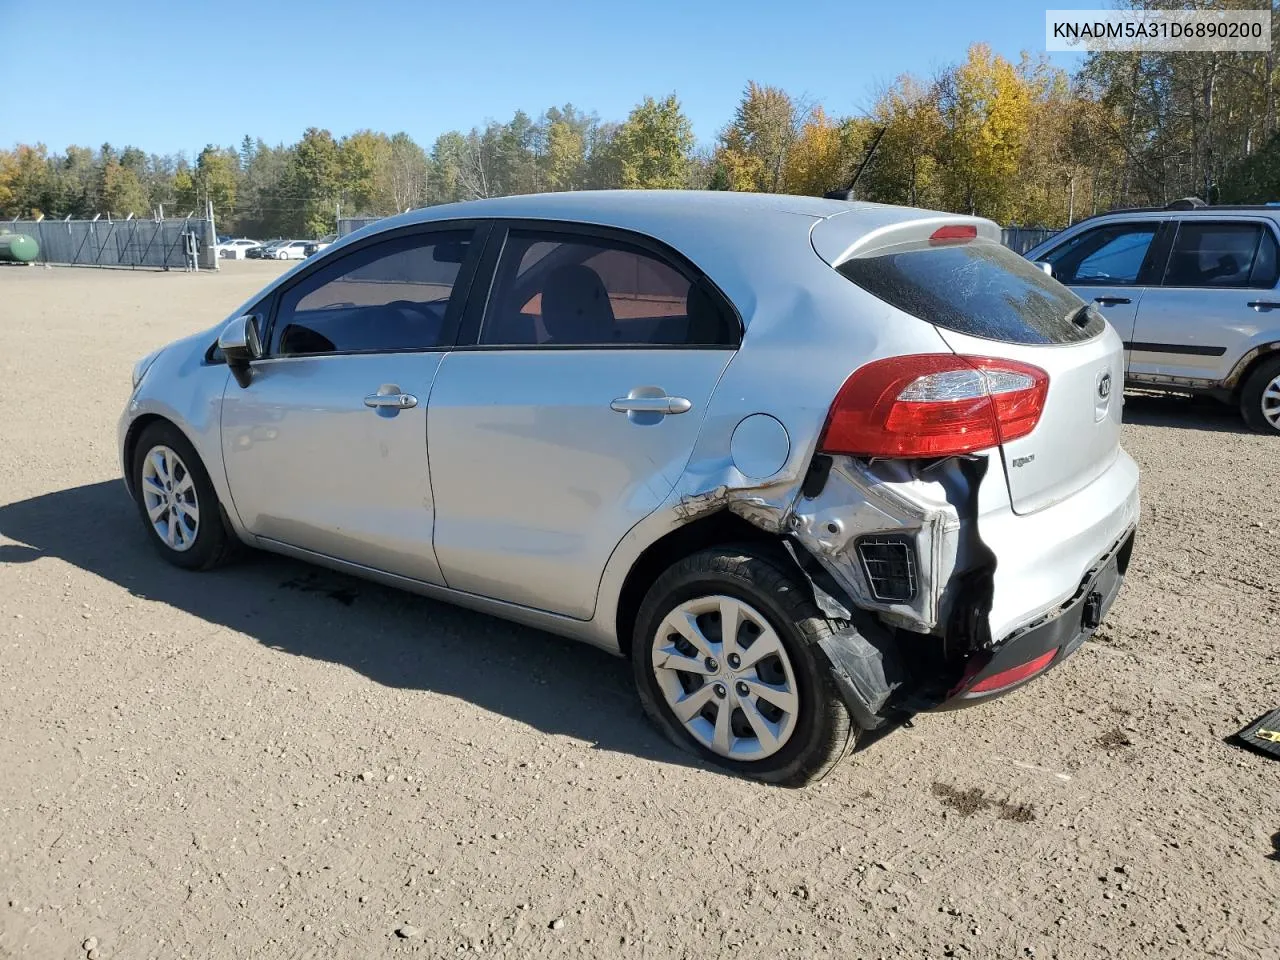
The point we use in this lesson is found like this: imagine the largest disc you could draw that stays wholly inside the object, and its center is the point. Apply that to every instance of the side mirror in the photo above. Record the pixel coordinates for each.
(1046, 266)
(241, 344)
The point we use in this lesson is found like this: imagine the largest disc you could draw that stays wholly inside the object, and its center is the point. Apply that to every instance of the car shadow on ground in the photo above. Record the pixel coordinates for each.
(1195, 413)
(394, 638)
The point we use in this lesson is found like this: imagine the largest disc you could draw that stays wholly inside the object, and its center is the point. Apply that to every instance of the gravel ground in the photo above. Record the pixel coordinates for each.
(276, 761)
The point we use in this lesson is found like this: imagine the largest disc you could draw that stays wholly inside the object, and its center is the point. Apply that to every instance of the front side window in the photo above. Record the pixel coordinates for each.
(563, 290)
(389, 296)
(1222, 255)
(1107, 256)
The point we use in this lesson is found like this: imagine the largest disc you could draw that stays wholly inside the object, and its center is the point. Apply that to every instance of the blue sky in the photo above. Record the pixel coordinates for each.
(175, 75)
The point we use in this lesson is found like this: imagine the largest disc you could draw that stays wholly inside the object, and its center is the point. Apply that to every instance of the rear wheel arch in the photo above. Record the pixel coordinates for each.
(715, 529)
(1245, 367)
(1259, 412)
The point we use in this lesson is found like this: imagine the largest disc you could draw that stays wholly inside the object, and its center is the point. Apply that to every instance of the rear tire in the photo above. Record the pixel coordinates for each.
(769, 712)
(1260, 398)
(176, 500)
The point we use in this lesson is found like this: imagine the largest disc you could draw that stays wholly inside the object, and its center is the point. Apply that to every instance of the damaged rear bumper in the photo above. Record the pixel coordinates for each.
(1039, 646)
(942, 595)
(887, 676)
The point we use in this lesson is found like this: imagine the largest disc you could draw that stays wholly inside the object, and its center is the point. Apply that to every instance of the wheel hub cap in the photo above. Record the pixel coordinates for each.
(727, 678)
(169, 497)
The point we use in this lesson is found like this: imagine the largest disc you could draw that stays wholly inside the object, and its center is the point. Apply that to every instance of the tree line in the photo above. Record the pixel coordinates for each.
(1020, 142)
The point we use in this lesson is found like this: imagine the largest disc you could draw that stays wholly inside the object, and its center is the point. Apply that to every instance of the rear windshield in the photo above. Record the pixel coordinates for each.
(977, 288)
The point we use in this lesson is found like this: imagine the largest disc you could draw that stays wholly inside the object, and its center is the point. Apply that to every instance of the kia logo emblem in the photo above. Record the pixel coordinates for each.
(1104, 386)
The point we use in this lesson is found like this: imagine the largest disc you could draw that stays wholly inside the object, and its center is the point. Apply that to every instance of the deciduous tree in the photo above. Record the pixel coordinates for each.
(652, 148)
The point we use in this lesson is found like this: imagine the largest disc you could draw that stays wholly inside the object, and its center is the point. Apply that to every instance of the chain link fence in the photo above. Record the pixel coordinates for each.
(119, 243)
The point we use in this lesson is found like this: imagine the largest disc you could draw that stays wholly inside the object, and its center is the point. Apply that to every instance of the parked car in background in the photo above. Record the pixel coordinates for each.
(263, 251)
(1192, 291)
(814, 466)
(315, 246)
(289, 250)
(236, 249)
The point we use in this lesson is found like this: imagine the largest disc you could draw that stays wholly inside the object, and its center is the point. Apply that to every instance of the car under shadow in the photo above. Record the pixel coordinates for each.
(394, 638)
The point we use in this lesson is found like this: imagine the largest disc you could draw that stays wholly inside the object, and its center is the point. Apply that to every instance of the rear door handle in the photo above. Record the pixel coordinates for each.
(659, 405)
(1264, 304)
(396, 401)
(1111, 301)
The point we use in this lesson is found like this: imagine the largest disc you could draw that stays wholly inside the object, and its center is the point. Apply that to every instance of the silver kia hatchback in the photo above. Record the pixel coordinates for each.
(814, 466)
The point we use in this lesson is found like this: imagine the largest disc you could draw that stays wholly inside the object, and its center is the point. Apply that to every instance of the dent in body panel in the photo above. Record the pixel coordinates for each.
(888, 659)
(935, 505)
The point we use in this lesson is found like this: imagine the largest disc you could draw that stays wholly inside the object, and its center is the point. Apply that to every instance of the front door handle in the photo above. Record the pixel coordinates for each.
(1111, 301)
(1264, 304)
(394, 401)
(663, 406)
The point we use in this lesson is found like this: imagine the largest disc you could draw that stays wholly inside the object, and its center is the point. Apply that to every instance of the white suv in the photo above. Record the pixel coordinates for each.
(1192, 291)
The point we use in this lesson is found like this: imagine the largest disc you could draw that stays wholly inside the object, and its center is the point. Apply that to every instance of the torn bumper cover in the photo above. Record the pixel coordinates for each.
(1035, 648)
(895, 557)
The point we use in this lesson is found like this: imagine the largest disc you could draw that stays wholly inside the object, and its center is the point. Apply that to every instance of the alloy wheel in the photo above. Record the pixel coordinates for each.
(169, 497)
(1271, 403)
(725, 674)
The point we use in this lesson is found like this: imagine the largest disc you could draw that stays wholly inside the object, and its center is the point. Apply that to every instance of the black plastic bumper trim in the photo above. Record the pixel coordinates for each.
(1066, 631)
(1190, 349)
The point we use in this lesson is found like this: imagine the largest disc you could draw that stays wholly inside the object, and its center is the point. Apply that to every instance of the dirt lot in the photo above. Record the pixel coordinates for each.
(275, 761)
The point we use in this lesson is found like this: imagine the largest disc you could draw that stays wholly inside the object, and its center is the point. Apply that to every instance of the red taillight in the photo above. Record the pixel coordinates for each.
(953, 232)
(1007, 678)
(934, 405)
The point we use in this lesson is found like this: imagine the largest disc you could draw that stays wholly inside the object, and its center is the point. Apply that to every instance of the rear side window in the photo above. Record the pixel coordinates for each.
(1222, 255)
(978, 288)
(561, 290)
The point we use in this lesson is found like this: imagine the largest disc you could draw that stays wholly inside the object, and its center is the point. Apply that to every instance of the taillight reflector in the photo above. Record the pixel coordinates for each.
(1007, 678)
(934, 405)
(953, 232)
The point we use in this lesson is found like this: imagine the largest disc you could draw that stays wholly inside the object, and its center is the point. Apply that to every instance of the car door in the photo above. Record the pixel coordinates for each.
(325, 449)
(569, 411)
(1111, 265)
(1216, 297)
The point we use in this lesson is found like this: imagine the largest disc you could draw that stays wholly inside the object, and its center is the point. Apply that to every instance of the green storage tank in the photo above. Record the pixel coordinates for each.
(18, 248)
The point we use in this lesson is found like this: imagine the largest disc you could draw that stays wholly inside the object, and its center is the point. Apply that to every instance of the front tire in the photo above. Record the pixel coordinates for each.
(176, 500)
(758, 699)
(1260, 398)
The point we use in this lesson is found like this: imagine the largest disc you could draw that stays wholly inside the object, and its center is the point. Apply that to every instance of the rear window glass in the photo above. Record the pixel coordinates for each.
(979, 288)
